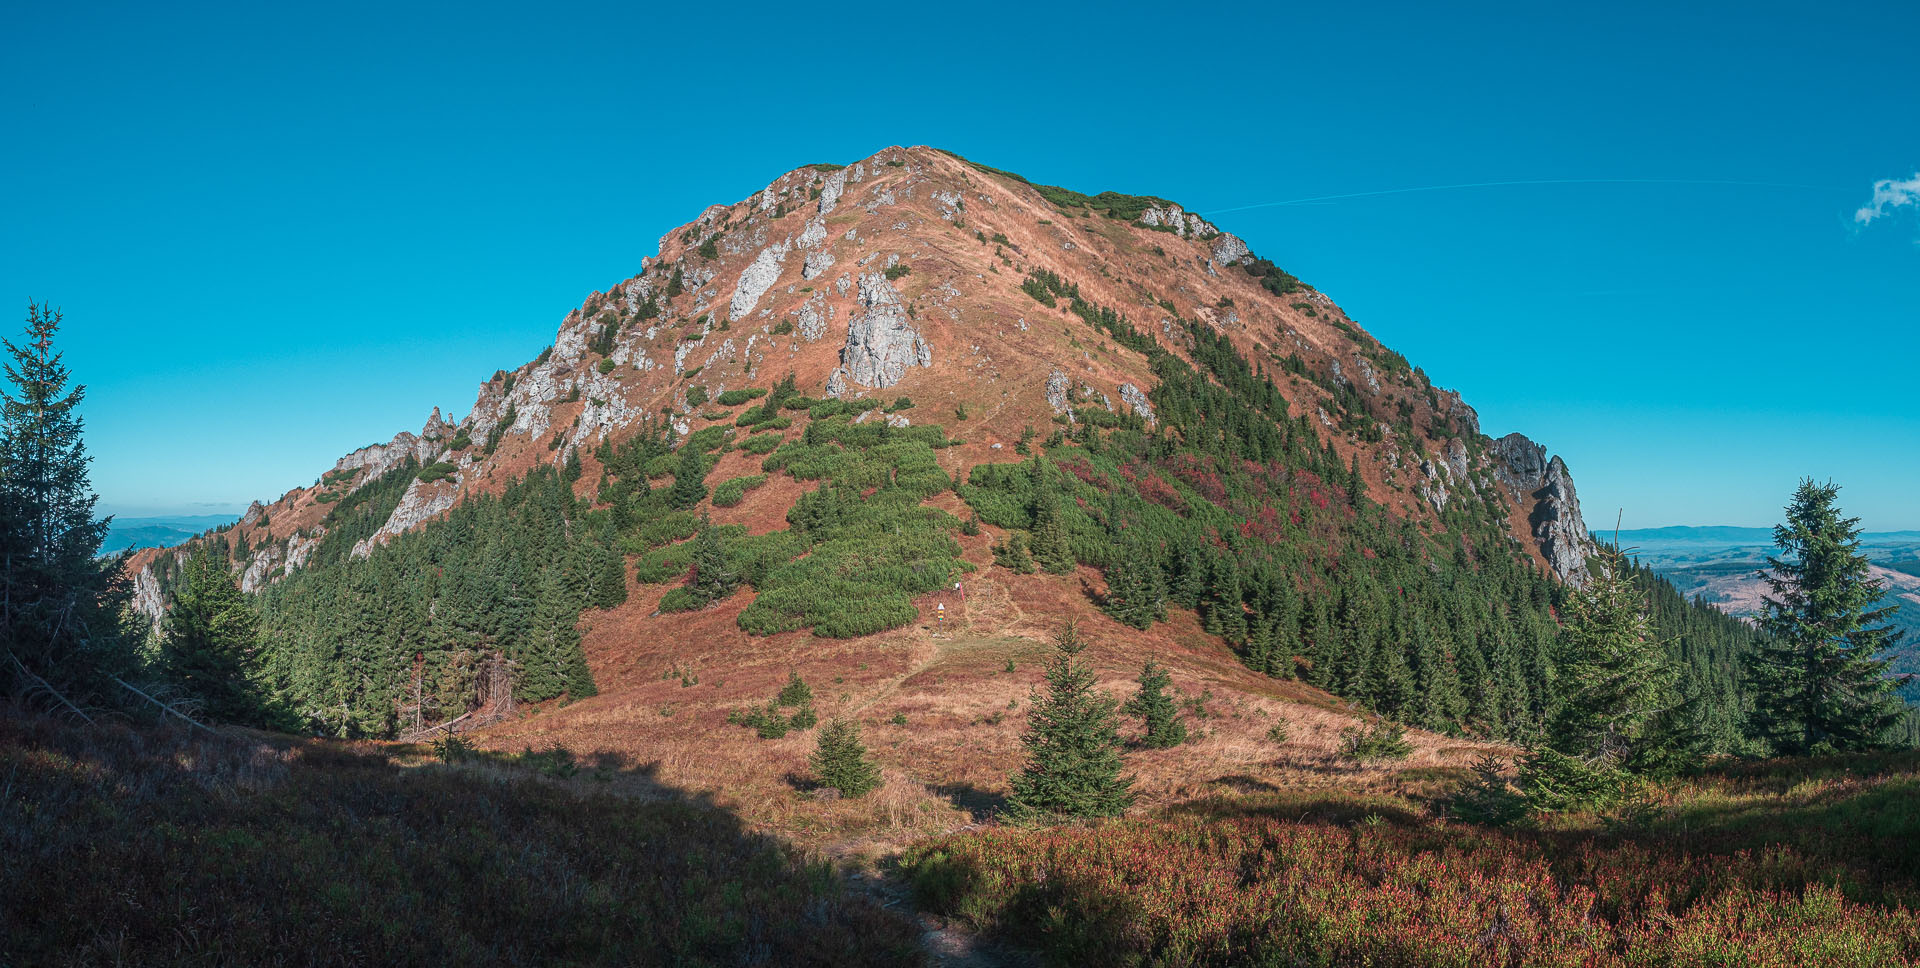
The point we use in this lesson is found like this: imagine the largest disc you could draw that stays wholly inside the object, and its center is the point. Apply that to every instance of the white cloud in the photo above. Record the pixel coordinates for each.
(1888, 195)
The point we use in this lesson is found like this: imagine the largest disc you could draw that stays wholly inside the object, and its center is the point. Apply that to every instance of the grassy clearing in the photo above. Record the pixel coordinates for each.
(136, 847)
(1782, 864)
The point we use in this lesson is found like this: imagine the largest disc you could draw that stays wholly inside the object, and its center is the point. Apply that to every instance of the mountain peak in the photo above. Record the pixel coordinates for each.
(978, 295)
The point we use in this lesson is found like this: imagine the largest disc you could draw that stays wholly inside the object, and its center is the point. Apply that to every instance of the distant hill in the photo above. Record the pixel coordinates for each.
(161, 532)
(1720, 565)
(1728, 535)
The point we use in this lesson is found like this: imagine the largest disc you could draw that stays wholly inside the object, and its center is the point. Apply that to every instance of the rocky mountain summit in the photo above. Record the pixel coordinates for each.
(968, 292)
(1554, 512)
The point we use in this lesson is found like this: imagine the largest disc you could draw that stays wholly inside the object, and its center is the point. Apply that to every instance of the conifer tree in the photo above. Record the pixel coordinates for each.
(1259, 654)
(1136, 593)
(710, 578)
(606, 568)
(60, 605)
(1224, 602)
(689, 478)
(1819, 684)
(1190, 583)
(1324, 649)
(1156, 710)
(840, 760)
(796, 692)
(1616, 682)
(1390, 687)
(1012, 553)
(1614, 675)
(1073, 747)
(1436, 682)
(1051, 550)
(210, 639)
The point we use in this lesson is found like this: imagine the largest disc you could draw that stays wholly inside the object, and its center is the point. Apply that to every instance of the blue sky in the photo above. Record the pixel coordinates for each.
(280, 232)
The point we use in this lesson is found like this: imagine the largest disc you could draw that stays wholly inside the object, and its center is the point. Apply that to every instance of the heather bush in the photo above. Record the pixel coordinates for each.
(1778, 866)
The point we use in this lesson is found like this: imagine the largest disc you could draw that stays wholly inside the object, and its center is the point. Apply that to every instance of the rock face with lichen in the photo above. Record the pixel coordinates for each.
(1553, 513)
(755, 281)
(881, 343)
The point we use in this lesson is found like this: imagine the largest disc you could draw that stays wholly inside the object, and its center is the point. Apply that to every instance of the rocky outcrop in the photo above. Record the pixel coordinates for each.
(881, 343)
(1444, 475)
(437, 427)
(1452, 407)
(147, 599)
(1057, 386)
(817, 262)
(607, 410)
(377, 459)
(422, 501)
(1553, 509)
(814, 234)
(830, 191)
(812, 317)
(260, 568)
(1137, 401)
(1182, 223)
(755, 280)
(1367, 375)
(1228, 249)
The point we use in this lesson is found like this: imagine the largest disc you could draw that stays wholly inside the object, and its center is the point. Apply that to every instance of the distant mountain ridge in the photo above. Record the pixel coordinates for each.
(1721, 566)
(165, 531)
(1729, 534)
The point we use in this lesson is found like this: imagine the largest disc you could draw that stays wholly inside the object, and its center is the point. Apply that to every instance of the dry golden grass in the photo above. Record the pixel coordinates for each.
(938, 709)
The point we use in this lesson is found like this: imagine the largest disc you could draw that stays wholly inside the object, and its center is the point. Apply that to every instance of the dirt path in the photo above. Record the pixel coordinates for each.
(947, 944)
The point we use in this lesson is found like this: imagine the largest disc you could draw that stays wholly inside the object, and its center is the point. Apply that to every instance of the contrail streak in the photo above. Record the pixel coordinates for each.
(1532, 181)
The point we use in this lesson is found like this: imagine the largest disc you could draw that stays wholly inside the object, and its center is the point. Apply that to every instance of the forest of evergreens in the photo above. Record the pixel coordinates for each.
(1228, 504)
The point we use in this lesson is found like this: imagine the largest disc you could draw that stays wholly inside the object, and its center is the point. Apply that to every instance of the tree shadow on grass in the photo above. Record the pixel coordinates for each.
(980, 805)
(157, 847)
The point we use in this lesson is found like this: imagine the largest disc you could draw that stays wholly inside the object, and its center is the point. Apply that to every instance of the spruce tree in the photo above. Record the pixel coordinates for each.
(796, 692)
(1012, 553)
(1051, 550)
(60, 605)
(552, 663)
(710, 578)
(1136, 593)
(840, 760)
(1614, 676)
(1438, 704)
(689, 479)
(1324, 648)
(1073, 747)
(210, 640)
(1156, 709)
(1191, 570)
(1224, 602)
(607, 584)
(1390, 686)
(1818, 683)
